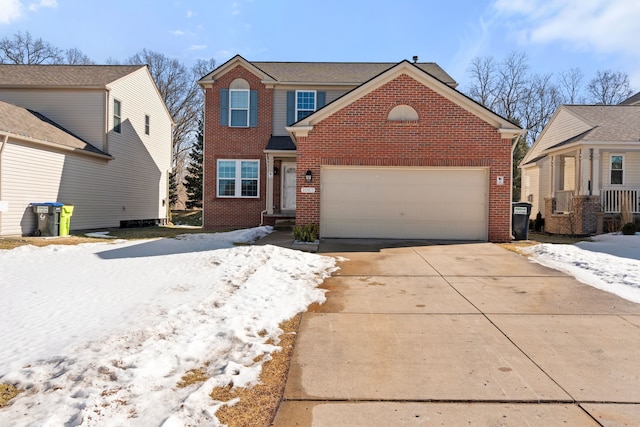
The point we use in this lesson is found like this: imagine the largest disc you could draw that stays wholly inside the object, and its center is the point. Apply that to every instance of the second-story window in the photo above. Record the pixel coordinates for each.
(239, 108)
(117, 116)
(305, 103)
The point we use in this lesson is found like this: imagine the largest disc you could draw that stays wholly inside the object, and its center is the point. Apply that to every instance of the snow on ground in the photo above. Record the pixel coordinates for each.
(610, 262)
(101, 333)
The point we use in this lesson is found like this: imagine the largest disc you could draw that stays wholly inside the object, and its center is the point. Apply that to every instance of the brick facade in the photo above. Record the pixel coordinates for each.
(581, 221)
(224, 142)
(445, 135)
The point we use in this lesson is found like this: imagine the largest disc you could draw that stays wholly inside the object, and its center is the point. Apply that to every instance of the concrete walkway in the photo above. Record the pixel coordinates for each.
(461, 334)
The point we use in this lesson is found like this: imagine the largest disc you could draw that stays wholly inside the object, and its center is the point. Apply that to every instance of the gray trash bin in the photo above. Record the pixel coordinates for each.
(520, 212)
(47, 217)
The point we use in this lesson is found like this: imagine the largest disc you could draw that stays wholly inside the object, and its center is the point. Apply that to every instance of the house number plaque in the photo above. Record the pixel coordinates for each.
(308, 190)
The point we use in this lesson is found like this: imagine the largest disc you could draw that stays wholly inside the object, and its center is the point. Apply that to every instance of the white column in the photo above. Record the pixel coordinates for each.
(595, 172)
(269, 196)
(584, 172)
(554, 175)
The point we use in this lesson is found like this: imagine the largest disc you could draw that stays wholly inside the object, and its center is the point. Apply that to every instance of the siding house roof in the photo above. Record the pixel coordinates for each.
(20, 123)
(620, 123)
(632, 100)
(62, 76)
(598, 123)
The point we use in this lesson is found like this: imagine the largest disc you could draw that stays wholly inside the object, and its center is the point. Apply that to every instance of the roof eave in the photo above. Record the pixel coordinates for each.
(56, 145)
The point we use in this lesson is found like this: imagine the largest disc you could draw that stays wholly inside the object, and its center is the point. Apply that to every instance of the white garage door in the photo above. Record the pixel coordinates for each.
(404, 203)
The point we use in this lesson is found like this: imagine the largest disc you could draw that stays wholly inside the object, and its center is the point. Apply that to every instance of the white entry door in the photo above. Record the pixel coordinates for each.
(288, 187)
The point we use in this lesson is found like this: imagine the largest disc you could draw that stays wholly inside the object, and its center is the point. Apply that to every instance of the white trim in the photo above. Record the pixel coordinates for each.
(248, 109)
(315, 102)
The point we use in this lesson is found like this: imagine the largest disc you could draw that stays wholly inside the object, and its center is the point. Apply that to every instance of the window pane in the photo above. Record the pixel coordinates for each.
(249, 187)
(306, 100)
(616, 162)
(227, 187)
(226, 169)
(239, 99)
(616, 177)
(303, 114)
(116, 108)
(239, 118)
(249, 170)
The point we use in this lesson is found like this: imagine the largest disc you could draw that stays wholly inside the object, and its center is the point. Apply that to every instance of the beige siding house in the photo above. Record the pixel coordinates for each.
(96, 137)
(584, 165)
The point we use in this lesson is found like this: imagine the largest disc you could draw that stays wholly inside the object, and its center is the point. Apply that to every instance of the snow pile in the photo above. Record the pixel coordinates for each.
(102, 333)
(610, 262)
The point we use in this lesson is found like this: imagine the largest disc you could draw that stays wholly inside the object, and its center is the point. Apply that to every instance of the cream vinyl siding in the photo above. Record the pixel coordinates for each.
(32, 174)
(131, 186)
(631, 169)
(82, 111)
(138, 176)
(404, 203)
(569, 178)
(564, 126)
(280, 106)
(530, 185)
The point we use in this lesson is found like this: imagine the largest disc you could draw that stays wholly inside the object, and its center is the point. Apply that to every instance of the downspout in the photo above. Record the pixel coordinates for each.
(266, 208)
(6, 139)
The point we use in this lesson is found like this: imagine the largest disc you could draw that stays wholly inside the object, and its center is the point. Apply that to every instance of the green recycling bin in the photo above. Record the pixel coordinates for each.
(65, 219)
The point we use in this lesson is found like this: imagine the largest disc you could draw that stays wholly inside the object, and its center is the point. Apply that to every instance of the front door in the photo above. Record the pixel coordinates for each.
(288, 186)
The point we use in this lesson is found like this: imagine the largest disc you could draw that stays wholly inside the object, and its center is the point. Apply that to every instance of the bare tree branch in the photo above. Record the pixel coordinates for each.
(609, 87)
(24, 49)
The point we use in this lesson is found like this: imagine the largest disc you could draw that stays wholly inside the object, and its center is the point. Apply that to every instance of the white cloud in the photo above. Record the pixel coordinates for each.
(235, 8)
(43, 3)
(177, 32)
(605, 26)
(189, 14)
(10, 10)
(198, 47)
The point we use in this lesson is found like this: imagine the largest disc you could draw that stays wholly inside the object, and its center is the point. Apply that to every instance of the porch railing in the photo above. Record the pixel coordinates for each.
(564, 201)
(612, 200)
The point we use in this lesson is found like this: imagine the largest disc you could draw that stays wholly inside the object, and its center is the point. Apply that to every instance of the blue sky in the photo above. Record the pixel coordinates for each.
(556, 34)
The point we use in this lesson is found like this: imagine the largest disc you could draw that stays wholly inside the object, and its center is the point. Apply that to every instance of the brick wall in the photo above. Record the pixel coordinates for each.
(223, 142)
(581, 221)
(444, 135)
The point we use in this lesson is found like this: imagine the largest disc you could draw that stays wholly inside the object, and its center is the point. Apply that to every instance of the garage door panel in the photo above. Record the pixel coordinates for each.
(429, 203)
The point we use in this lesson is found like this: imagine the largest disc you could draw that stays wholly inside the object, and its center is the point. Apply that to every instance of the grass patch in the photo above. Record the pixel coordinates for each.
(7, 392)
(194, 376)
(191, 218)
(258, 404)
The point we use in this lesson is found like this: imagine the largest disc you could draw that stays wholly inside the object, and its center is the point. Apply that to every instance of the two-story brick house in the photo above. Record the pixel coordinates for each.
(378, 150)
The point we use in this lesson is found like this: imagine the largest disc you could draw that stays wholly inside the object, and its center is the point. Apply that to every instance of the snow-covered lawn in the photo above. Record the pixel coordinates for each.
(610, 262)
(101, 333)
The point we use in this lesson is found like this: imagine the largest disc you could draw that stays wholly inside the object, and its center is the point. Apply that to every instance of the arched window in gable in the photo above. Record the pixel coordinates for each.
(402, 113)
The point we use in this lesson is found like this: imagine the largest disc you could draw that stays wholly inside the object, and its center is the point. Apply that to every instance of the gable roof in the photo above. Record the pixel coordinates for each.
(54, 76)
(632, 100)
(317, 73)
(592, 124)
(502, 125)
(27, 125)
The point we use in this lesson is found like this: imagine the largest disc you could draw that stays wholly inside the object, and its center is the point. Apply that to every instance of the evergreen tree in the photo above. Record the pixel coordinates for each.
(173, 189)
(193, 180)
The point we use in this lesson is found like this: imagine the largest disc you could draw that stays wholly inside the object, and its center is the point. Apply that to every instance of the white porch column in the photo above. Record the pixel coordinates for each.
(595, 172)
(584, 172)
(554, 176)
(269, 196)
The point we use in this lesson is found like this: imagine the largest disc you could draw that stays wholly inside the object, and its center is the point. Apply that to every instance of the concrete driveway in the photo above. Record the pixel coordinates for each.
(461, 334)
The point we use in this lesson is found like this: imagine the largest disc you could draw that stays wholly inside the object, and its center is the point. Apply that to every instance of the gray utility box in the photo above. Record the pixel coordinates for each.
(47, 217)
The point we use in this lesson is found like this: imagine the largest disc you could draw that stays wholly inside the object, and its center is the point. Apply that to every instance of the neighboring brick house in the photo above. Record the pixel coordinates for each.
(370, 150)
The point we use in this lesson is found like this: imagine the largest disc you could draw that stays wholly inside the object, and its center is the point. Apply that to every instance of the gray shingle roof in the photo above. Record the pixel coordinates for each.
(619, 123)
(633, 99)
(79, 76)
(33, 125)
(339, 72)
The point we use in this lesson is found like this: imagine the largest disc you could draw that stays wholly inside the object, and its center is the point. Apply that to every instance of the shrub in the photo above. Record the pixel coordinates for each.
(538, 224)
(306, 233)
(629, 229)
